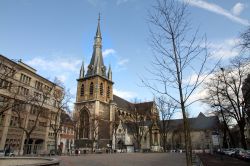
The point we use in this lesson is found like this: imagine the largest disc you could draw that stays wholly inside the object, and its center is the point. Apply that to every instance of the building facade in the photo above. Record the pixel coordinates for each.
(100, 113)
(204, 133)
(25, 104)
(67, 136)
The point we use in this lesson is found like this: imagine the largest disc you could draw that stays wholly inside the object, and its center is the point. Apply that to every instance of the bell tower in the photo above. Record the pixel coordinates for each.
(97, 83)
(93, 98)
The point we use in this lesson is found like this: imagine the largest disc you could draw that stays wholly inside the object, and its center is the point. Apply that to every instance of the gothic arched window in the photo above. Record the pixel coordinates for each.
(108, 92)
(101, 89)
(84, 124)
(82, 90)
(91, 88)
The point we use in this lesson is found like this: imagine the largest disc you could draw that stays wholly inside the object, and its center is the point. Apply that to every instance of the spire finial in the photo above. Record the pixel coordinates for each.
(99, 17)
(98, 31)
(110, 73)
(82, 70)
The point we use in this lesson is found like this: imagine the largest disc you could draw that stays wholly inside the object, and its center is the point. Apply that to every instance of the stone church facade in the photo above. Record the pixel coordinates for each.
(105, 120)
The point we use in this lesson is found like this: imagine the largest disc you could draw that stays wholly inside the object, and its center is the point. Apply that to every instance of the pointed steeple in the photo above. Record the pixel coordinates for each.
(98, 31)
(110, 73)
(96, 66)
(82, 70)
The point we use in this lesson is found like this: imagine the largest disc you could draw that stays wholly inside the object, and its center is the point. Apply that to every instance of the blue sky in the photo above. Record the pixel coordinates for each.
(54, 36)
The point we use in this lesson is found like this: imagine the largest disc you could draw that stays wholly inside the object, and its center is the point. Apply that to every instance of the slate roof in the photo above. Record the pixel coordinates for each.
(201, 122)
(127, 106)
(66, 119)
(122, 103)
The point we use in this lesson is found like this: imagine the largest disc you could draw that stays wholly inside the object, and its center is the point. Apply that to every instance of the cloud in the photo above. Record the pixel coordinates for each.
(62, 78)
(191, 79)
(122, 62)
(108, 52)
(238, 8)
(218, 10)
(56, 64)
(225, 49)
(125, 94)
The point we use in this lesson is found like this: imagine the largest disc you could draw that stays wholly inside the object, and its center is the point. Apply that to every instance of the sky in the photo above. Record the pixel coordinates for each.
(55, 36)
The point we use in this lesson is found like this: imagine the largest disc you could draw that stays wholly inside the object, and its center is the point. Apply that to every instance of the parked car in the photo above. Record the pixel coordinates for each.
(246, 155)
(239, 153)
(5, 153)
(2, 153)
(229, 152)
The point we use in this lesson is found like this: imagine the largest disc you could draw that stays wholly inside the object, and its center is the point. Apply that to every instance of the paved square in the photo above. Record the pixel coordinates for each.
(124, 159)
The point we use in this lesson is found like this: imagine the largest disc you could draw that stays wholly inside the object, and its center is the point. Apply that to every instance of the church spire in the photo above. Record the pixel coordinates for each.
(82, 70)
(110, 73)
(96, 66)
(98, 31)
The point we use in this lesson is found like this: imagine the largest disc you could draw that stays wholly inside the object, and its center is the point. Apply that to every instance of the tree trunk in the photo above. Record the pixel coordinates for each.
(225, 145)
(188, 146)
(164, 143)
(55, 146)
(232, 142)
(26, 144)
(242, 134)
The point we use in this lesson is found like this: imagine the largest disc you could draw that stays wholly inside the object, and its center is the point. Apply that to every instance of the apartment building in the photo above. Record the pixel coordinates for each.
(26, 106)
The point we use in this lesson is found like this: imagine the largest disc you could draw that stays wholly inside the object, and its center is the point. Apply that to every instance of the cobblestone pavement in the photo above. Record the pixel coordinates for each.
(124, 159)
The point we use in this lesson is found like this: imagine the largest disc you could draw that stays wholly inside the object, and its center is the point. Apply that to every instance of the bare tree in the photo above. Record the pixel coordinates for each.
(178, 52)
(36, 104)
(245, 39)
(61, 98)
(230, 100)
(7, 85)
(246, 95)
(215, 100)
(166, 110)
(135, 121)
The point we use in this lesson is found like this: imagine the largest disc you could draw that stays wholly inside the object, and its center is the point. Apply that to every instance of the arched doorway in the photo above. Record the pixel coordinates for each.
(84, 124)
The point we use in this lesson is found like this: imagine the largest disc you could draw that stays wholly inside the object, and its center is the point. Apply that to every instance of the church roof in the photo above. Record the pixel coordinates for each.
(201, 122)
(66, 119)
(127, 106)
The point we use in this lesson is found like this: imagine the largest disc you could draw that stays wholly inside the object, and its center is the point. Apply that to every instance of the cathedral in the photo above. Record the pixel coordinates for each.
(106, 121)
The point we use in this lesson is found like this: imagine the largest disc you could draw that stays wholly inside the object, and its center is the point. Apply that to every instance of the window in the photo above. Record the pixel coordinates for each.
(47, 88)
(14, 121)
(1, 119)
(23, 91)
(25, 79)
(4, 84)
(108, 92)
(19, 106)
(37, 96)
(91, 88)
(34, 110)
(3, 102)
(39, 85)
(6, 70)
(84, 124)
(101, 89)
(82, 90)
